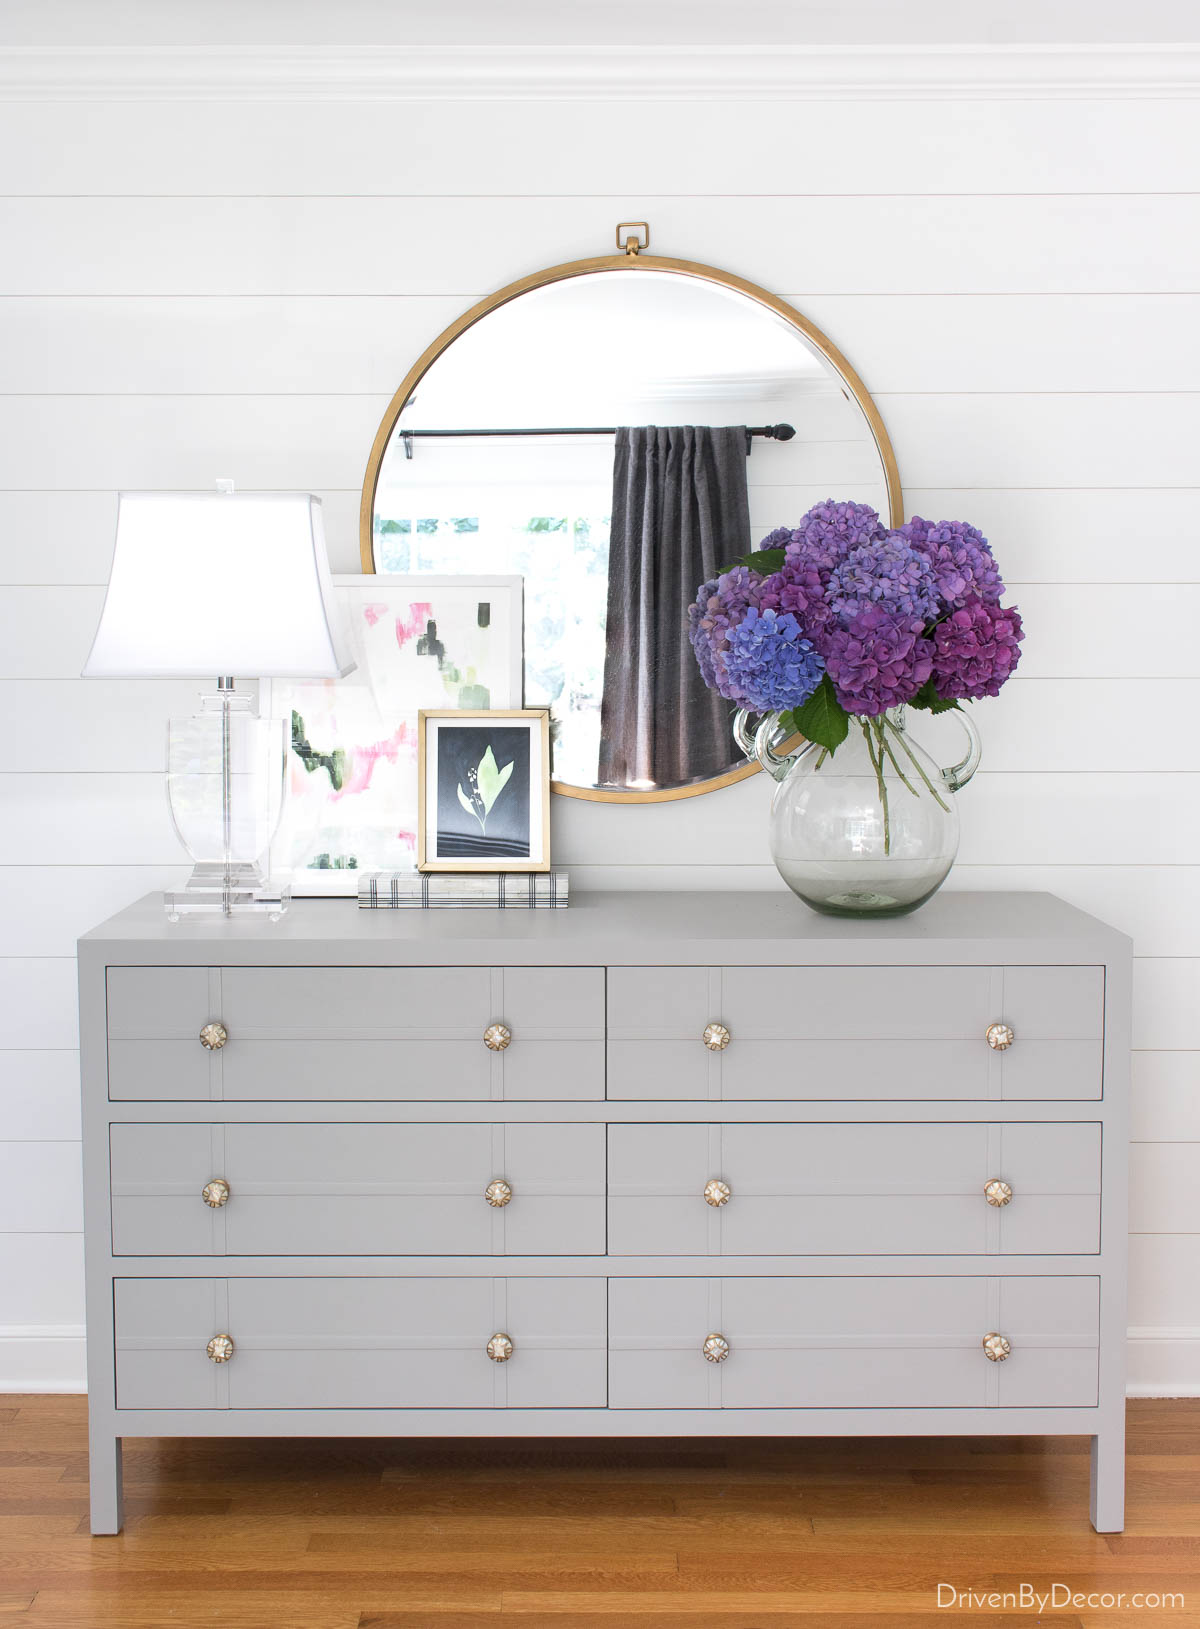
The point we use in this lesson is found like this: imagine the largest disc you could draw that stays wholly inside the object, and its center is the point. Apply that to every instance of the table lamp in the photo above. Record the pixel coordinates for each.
(213, 583)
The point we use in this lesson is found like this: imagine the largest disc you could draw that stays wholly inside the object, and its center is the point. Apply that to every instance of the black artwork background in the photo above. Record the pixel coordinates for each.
(459, 749)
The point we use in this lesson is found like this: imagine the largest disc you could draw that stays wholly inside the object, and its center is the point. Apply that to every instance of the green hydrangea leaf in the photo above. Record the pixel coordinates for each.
(822, 718)
(765, 561)
(929, 701)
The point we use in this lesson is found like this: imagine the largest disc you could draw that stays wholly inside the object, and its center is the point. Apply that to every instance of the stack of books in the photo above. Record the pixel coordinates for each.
(463, 890)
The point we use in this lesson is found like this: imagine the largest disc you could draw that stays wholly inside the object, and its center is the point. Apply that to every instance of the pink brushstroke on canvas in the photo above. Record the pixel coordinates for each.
(407, 627)
(362, 761)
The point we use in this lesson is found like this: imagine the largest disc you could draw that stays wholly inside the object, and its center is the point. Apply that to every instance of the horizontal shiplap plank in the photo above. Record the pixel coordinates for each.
(1070, 440)
(38, 1003)
(1166, 997)
(336, 245)
(91, 724)
(87, 820)
(366, 343)
(1157, 906)
(41, 1188)
(320, 442)
(39, 1096)
(69, 898)
(1164, 1270)
(1163, 1179)
(1166, 1098)
(372, 148)
(41, 1279)
(1039, 536)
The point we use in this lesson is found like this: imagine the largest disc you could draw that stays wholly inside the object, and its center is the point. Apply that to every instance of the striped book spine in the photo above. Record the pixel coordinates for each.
(491, 890)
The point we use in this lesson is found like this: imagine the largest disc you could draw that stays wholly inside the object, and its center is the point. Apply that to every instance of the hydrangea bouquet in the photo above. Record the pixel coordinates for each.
(843, 618)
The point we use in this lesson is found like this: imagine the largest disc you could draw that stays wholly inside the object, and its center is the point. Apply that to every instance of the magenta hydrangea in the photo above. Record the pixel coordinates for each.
(769, 666)
(960, 559)
(877, 662)
(975, 649)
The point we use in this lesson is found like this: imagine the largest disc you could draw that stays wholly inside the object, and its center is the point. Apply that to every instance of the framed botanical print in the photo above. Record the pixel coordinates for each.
(353, 783)
(484, 790)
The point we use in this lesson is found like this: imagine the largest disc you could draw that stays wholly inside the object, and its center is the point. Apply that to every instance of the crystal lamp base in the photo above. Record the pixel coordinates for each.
(212, 889)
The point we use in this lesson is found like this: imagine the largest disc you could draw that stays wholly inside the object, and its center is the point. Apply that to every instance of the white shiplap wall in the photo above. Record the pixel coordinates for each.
(205, 287)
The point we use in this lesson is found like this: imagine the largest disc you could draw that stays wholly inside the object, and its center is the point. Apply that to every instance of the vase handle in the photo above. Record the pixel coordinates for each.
(957, 776)
(759, 743)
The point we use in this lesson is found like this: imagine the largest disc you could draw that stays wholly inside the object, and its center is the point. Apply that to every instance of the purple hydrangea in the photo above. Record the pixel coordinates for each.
(829, 531)
(975, 650)
(720, 605)
(769, 665)
(960, 558)
(879, 661)
(889, 573)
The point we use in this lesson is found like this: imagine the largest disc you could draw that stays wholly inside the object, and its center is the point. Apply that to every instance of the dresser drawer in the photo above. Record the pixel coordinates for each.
(403, 1034)
(874, 1189)
(865, 1033)
(357, 1190)
(853, 1342)
(360, 1343)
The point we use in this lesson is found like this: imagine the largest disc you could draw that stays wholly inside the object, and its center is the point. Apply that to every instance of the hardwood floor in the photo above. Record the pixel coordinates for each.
(577, 1535)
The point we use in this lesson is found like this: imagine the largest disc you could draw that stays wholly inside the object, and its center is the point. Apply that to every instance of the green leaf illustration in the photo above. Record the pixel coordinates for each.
(467, 804)
(491, 780)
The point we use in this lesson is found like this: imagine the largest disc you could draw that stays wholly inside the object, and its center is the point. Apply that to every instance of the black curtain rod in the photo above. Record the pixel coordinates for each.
(770, 432)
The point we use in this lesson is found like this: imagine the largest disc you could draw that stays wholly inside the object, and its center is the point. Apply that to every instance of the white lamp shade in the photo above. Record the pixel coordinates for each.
(211, 583)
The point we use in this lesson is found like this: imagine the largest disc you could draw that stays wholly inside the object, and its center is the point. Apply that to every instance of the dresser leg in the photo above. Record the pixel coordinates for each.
(104, 1475)
(1108, 1480)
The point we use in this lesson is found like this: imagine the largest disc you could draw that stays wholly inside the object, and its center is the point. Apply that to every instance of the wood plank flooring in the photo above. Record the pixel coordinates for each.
(578, 1535)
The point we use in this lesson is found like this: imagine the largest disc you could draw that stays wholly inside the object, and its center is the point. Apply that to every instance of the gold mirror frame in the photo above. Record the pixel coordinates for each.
(631, 260)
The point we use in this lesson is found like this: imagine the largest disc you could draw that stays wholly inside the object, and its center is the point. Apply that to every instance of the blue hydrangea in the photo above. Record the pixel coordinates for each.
(770, 666)
(889, 574)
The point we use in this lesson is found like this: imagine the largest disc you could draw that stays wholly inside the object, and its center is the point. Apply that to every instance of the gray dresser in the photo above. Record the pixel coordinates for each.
(661, 1164)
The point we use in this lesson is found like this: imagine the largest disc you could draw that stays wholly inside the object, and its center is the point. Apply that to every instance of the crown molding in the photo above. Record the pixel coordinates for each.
(658, 73)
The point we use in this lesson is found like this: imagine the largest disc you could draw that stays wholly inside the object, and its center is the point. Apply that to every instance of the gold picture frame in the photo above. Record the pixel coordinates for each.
(446, 837)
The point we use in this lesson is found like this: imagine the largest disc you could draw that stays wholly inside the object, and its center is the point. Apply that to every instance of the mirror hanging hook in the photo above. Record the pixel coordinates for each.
(633, 244)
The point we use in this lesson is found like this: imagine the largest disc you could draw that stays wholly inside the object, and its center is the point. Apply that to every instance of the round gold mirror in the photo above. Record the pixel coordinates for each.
(614, 431)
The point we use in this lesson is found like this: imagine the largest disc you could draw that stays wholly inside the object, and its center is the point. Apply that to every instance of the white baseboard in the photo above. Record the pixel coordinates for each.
(52, 1358)
(1164, 1363)
(43, 1357)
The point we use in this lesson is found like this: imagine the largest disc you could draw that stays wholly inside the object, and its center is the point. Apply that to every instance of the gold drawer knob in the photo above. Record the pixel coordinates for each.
(717, 1193)
(498, 1193)
(715, 1348)
(213, 1037)
(997, 1193)
(220, 1348)
(500, 1347)
(215, 1193)
(1000, 1037)
(496, 1037)
(996, 1347)
(716, 1037)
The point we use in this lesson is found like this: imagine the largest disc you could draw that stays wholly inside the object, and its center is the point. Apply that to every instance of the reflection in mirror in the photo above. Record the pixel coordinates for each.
(628, 483)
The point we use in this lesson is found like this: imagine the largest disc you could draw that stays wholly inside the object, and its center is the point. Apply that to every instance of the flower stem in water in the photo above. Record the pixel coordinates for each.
(877, 765)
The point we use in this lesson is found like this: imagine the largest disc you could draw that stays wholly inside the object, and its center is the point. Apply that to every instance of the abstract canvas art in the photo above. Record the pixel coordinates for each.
(419, 643)
(485, 791)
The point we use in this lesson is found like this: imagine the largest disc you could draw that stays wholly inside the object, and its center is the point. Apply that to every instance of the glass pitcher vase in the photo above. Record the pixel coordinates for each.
(868, 830)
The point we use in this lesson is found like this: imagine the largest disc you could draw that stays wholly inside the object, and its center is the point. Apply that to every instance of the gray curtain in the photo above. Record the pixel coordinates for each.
(679, 511)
